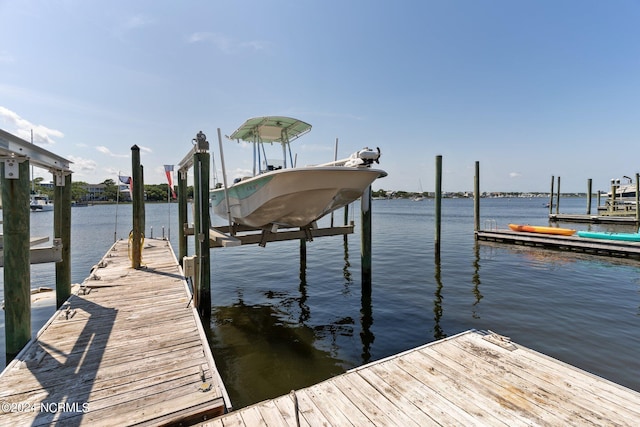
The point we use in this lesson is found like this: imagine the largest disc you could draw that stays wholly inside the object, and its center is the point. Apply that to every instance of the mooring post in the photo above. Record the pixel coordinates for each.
(551, 195)
(17, 269)
(62, 231)
(637, 198)
(476, 198)
(182, 215)
(202, 222)
(365, 247)
(589, 183)
(138, 227)
(438, 202)
(558, 198)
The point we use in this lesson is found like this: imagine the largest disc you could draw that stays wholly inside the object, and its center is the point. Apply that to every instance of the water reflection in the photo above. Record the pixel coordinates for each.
(266, 349)
(261, 355)
(366, 320)
(438, 333)
(475, 279)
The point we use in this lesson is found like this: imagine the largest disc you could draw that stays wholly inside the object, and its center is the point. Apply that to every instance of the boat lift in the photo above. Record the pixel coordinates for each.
(16, 155)
(207, 237)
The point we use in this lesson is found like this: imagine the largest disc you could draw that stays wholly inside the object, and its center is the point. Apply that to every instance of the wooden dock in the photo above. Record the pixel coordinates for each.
(127, 348)
(614, 248)
(594, 219)
(471, 379)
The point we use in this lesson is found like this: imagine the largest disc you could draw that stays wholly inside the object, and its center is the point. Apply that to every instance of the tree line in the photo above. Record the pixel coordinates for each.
(80, 191)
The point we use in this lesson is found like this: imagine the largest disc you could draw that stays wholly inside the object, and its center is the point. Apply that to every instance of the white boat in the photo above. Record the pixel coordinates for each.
(40, 203)
(283, 195)
(625, 189)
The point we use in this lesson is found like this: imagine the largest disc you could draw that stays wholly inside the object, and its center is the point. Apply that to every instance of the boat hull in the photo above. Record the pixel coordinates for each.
(629, 237)
(542, 230)
(292, 197)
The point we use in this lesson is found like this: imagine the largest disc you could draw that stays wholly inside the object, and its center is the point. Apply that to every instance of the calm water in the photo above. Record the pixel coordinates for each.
(277, 326)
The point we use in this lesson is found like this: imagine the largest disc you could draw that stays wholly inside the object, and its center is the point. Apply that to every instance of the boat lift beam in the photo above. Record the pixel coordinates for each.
(221, 237)
(16, 157)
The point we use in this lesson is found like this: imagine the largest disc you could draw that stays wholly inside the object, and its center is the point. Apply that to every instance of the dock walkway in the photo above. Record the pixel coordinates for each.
(471, 379)
(127, 348)
(604, 247)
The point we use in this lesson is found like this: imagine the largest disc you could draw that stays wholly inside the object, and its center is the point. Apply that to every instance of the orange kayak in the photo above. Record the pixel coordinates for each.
(543, 230)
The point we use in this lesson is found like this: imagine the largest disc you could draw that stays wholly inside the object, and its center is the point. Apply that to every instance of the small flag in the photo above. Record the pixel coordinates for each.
(127, 180)
(168, 170)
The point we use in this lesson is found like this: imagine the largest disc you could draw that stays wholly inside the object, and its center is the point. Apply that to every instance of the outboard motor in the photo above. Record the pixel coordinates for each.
(364, 157)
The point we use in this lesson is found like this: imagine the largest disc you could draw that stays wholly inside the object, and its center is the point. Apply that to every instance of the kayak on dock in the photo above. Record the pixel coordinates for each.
(629, 237)
(542, 230)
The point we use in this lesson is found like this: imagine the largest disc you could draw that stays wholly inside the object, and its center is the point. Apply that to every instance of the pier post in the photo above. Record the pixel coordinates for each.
(637, 198)
(17, 269)
(182, 215)
(438, 203)
(589, 183)
(138, 226)
(476, 198)
(62, 231)
(558, 198)
(365, 252)
(202, 223)
(551, 195)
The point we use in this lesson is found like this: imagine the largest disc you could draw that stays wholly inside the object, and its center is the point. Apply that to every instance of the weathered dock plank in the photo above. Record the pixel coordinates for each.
(473, 378)
(127, 348)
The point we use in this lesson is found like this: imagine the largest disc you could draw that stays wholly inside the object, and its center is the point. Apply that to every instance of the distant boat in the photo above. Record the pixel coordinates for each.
(624, 189)
(629, 237)
(542, 230)
(40, 203)
(283, 195)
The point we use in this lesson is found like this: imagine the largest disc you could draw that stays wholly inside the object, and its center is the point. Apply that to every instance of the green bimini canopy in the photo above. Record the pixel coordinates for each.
(271, 129)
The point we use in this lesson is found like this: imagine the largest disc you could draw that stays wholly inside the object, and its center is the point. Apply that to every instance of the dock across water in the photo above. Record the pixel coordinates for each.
(128, 348)
(614, 248)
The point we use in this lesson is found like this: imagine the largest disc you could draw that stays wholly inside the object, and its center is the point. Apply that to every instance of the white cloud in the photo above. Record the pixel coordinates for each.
(226, 44)
(105, 150)
(129, 24)
(82, 165)
(514, 174)
(42, 135)
(145, 149)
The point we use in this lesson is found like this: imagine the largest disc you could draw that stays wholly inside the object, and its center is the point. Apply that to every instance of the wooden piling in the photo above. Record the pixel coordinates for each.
(62, 231)
(202, 223)
(551, 196)
(558, 198)
(182, 215)
(589, 182)
(365, 252)
(136, 246)
(637, 197)
(438, 202)
(17, 271)
(476, 198)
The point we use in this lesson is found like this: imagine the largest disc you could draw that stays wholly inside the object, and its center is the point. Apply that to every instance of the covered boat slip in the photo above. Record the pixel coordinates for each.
(471, 379)
(127, 349)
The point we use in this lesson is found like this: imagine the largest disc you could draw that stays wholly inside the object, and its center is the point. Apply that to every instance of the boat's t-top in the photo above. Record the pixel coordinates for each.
(259, 130)
(284, 130)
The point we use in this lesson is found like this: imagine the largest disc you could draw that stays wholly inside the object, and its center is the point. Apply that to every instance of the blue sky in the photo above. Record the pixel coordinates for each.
(530, 89)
